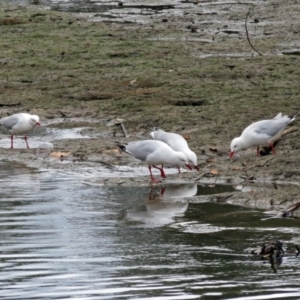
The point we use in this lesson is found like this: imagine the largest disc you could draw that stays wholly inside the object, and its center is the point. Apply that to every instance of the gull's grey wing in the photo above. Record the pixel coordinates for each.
(156, 133)
(9, 122)
(174, 140)
(141, 149)
(166, 139)
(269, 128)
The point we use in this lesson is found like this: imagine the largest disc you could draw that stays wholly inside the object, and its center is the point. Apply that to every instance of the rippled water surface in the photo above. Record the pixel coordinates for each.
(62, 239)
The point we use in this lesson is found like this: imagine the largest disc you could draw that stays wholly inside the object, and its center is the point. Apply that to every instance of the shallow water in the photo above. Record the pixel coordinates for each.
(61, 239)
(111, 11)
(41, 137)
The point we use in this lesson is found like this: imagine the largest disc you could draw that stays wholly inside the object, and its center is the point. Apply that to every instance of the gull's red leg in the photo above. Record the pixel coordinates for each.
(25, 138)
(178, 169)
(152, 178)
(272, 147)
(257, 151)
(162, 173)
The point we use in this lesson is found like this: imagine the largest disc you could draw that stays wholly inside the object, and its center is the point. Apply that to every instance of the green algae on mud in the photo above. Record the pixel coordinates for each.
(158, 74)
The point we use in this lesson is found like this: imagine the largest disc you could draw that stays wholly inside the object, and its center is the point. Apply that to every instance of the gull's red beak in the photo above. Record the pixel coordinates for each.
(38, 123)
(189, 167)
(231, 154)
(197, 168)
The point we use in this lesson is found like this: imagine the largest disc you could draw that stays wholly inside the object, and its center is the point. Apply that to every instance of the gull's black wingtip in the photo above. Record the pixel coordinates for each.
(293, 116)
(121, 146)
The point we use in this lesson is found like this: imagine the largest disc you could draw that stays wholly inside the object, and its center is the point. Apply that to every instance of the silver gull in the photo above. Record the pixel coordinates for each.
(154, 153)
(177, 143)
(259, 133)
(20, 124)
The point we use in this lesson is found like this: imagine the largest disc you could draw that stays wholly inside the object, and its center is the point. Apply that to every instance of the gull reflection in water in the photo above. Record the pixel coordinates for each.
(179, 191)
(161, 208)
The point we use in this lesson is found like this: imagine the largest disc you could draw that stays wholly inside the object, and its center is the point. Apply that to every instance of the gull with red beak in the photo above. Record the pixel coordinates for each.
(154, 153)
(20, 124)
(260, 133)
(177, 143)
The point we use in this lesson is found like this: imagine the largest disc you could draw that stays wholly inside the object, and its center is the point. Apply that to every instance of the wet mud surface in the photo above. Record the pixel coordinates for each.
(187, 69)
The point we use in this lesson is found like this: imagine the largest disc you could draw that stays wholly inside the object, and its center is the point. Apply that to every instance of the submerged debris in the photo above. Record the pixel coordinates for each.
(272, 251)
(266, 249)
(298, 250)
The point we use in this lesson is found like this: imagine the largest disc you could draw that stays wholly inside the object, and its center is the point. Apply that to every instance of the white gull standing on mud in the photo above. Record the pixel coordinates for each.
(154, 153)
(19, 124)
(259, 133)
(177, 143)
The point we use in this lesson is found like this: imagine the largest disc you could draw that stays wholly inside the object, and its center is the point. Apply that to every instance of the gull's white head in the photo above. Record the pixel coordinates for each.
(181, 159)
(34, 120)
(235, 146)
(192, 159)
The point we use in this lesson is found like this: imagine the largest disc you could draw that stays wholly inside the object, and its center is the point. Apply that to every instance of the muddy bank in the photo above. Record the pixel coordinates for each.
(191, 72)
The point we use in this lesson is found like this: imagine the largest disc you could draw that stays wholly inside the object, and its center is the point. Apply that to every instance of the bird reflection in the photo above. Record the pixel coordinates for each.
(159, 210)
(178, 191)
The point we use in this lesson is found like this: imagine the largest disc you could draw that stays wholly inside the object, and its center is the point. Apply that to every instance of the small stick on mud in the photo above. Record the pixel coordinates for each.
(248, 38)
(118, 122)
(203, 174)
(11, 104)
(124, 129)
(287, 131)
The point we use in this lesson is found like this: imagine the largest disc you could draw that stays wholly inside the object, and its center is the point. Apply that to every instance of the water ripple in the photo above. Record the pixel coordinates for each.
(61, 239)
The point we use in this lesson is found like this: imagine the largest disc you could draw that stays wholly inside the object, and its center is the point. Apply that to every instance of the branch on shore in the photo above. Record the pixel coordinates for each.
(11, 104)
(248, 38)
(267, 149)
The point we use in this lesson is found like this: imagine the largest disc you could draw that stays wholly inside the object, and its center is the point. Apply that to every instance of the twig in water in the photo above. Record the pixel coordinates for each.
(214, 184)
(203, 174)
(289, 212)
(248, 33)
